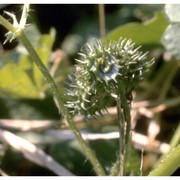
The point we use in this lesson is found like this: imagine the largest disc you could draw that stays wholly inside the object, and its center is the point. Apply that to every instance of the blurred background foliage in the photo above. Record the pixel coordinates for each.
(58, 32)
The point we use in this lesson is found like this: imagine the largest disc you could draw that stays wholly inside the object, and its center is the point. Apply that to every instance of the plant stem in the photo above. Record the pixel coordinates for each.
(176, 138)
(115, 168)
(126, 110)
(173, 143)
(127, 115)
(121, 123)
(124, 119)
(89, 153)
(7, 24)
(102, 20)
(57, 96)
(169, 164)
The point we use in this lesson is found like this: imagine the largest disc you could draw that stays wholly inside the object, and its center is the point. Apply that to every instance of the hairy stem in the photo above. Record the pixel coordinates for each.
(127, 115)
(169, 164)
(57, 96)
(115, 168)
(121, 123)
(7, 24)
(173, 143)
(125, 126)
(89, 153)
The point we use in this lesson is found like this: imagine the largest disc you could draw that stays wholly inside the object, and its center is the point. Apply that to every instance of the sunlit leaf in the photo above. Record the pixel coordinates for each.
(15, 82)
(43, 48)
(19, 76)
(149, 32)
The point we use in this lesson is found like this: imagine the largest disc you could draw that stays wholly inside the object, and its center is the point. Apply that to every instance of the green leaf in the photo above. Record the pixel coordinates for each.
(173, 12)
(19, 77)
(43, 47)
(149, 32)
(15, 82)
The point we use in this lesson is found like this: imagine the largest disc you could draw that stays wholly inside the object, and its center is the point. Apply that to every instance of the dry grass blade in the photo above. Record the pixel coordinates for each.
(32, 153)
(140, 141)
(2, 173)
(25, 125)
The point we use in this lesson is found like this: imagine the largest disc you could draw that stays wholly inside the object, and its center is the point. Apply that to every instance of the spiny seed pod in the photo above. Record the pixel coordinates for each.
(101, 72)
(85, 96)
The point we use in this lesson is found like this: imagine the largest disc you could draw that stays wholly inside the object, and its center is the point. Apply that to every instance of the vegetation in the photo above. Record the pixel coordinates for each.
(114, 113)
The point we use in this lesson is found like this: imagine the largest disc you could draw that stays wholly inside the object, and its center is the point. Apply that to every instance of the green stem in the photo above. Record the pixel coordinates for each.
(127, 124)
(34, 56)
(124, 123)
(173, 143)
(7, 24)
(176, 138)
(121, 123)
(169, 164)
(115, 168)
(89, 153)
(127, 115)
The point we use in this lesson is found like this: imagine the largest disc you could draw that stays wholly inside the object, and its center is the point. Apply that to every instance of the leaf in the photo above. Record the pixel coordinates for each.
(149, 32)
(171, 39)
(43, 48)
(16, 83)
(19, 76)
(173, 12)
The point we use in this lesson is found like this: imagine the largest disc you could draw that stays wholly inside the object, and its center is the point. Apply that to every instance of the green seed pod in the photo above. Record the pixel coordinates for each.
(101, 72)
